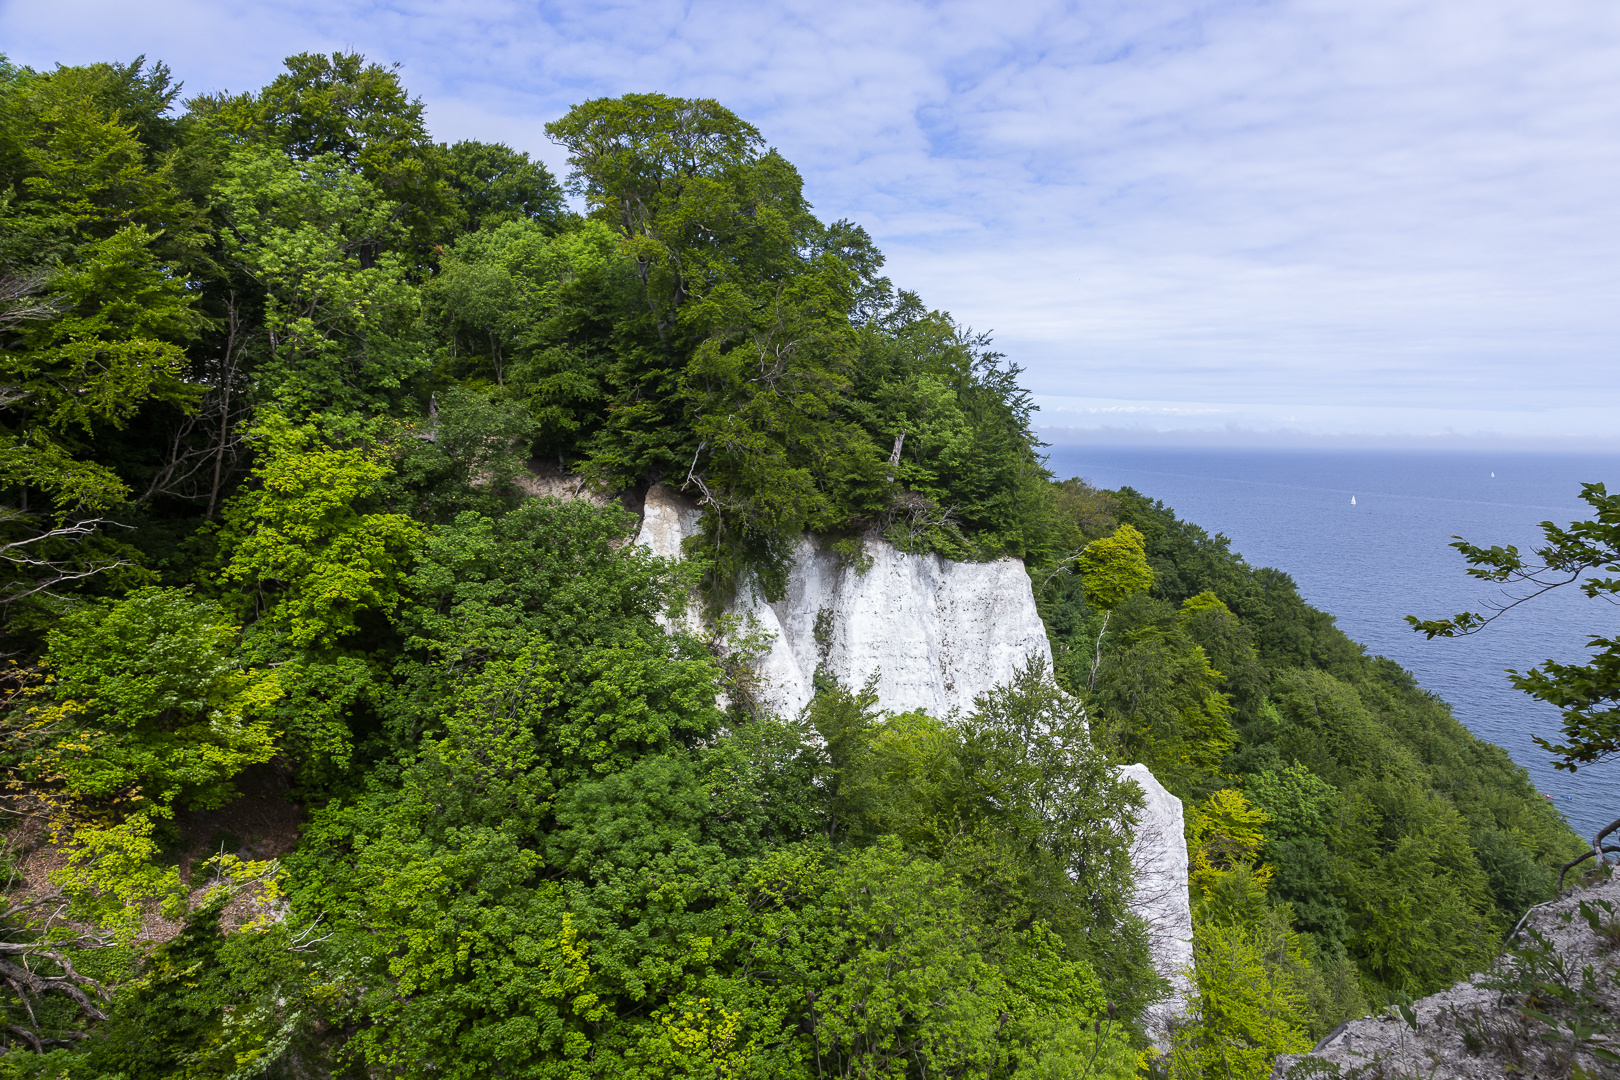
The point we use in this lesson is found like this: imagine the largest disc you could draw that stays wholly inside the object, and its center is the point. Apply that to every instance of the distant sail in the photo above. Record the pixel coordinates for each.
(1352, 500)
(1493, 476)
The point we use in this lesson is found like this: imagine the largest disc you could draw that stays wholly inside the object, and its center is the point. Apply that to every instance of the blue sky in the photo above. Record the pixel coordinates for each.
(1288, 220)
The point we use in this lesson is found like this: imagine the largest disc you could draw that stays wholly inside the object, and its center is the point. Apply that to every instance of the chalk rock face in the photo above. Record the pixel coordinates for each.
(1159, 859)
(666, 520)
(937, 634)
(934, 633)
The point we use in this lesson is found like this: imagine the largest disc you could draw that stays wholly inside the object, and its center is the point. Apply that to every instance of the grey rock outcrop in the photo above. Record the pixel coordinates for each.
(936, 634)
(1478, 1032)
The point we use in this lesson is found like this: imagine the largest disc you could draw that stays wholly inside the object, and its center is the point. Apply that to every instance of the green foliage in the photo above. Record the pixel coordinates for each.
(753, 354)
(1414, 839)
(338, 308)
(469, 456)
(113, 346)
(304, 558)
(211, 1004)
(1385, 847)
(149, 710)
(151, 707)
(1247, 1008)
(1158, 701)
(98, 248)
(1114, 567)
(341, 107)
(496, 184)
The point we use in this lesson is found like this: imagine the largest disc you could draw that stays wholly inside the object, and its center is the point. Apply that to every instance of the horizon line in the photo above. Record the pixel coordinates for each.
(1289, 438)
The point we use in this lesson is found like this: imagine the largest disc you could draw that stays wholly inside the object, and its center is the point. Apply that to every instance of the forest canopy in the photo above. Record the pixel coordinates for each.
(337, 743)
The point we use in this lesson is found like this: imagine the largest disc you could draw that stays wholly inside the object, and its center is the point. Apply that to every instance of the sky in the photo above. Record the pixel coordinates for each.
(1281, 221)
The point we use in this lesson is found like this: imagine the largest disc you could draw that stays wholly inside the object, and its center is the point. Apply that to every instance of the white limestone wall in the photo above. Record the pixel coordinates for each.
(1159, 860)
(937, 633)
(667, 519)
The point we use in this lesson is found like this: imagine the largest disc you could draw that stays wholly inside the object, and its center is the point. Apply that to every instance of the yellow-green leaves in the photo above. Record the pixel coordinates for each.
(148, 710)
(1224, 839)
(155, 706)
(112, 872)
(695, 1037)
(308, 557)
(1248, 1007)
(1249, 974)
(1115, 567)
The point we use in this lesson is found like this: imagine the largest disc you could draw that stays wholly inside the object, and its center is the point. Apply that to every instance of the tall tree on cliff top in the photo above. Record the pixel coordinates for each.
(751, 316)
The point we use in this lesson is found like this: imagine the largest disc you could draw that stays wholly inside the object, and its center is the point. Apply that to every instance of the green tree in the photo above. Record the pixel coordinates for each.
(1157, 699)
(152, 704)
(1245, 1010)
(356, 113)
(98, 252)
(496, 184)
(150, 711)
(315, 562)
(339, 311)
(1303, 808)
(211, 1003)
(1115, 567)
(684, 183)
(305, 556)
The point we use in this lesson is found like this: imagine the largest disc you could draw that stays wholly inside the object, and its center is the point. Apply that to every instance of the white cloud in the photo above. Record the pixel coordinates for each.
(1315, 203)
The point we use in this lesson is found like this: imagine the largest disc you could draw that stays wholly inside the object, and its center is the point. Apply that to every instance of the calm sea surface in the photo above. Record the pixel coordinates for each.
(1386, 556)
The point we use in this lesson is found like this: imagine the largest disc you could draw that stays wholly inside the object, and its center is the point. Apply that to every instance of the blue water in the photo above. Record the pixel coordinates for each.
(1385, 557)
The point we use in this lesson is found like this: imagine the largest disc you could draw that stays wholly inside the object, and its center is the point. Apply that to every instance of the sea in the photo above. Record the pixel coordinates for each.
(1365, 535)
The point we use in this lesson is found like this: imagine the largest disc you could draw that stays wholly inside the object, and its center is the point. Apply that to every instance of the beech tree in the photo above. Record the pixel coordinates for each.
(1585, 554)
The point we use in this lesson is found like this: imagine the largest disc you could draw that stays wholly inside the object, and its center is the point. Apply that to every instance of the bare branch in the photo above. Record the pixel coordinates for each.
(16, 307)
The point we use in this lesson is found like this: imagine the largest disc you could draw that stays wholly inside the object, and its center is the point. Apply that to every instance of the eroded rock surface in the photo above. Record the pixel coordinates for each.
(936, 633)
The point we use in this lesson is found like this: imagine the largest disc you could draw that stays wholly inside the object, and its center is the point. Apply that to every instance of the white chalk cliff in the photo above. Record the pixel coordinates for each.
(937, 634)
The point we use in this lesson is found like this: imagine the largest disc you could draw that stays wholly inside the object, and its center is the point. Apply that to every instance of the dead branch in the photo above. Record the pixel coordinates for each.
(1597, 852)
(206, 444)
(27, 982)
(49, 573)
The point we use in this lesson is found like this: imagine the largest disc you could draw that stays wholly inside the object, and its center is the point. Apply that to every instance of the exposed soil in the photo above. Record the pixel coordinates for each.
(261, 825)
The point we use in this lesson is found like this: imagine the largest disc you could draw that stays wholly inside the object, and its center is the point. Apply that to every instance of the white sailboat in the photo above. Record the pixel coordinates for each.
(1352, 500)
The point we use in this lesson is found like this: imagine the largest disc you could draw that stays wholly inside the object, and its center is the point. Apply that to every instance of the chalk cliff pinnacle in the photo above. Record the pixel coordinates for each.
(937, 634)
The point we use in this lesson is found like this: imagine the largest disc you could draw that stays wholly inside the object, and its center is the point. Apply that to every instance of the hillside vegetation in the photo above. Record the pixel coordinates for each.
(333, 746)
